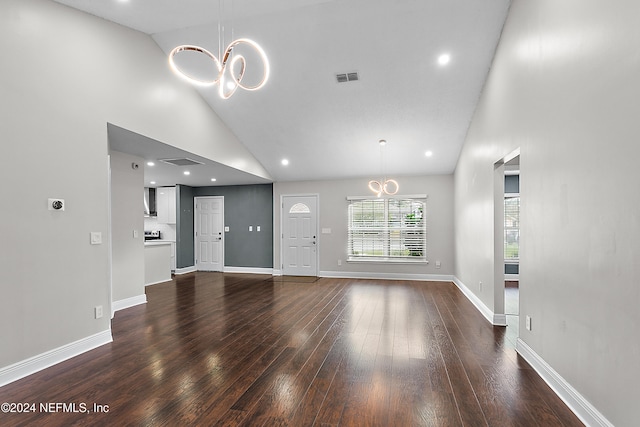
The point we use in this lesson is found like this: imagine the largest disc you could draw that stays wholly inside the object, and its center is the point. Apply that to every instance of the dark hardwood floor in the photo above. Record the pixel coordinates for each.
(230, 349)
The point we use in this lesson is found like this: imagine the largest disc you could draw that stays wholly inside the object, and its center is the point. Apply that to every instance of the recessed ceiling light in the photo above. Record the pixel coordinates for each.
(444, 59)
(152, 182)
(285, 162)
(213, 180)
(429, 153)
(187, 173)
(150, 164)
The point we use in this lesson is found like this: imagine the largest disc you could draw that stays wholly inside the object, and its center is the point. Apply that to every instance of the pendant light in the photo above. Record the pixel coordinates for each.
(384, 186)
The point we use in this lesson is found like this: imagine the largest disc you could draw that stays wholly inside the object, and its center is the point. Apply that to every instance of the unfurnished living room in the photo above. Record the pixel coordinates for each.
(319, 213)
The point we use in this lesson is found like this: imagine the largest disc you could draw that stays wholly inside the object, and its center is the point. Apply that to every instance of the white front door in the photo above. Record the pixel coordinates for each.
(209, 238)
(299, 235)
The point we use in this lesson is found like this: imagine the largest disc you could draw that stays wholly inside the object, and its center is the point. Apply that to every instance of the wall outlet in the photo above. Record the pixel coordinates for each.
(480, 286)
(258, 228)
(251, 228)
(135, 234)
(98, 311)
(527, 323)
(339, 262)
(438, 264)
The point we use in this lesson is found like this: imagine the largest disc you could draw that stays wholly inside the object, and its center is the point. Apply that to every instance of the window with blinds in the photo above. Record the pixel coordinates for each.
(387, 230)
(511, 227)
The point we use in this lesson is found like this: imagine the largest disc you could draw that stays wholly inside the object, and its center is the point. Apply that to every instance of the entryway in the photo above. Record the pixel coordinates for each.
(209, 233)
(300, 235)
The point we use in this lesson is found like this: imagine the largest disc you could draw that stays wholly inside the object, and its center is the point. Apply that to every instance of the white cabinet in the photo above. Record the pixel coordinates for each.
(166, 205)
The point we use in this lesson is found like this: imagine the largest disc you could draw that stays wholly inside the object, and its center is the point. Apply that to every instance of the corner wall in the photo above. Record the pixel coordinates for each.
(564, 88)
(65, 75)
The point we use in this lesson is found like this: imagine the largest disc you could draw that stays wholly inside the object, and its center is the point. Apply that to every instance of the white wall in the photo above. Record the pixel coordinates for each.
(126, 216)
(564, 88)
(333, 215)
(65, 75)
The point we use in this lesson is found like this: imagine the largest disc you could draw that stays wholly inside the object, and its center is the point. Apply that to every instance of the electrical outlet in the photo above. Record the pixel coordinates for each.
(339, 262)
(527, 323)
(438, 264)
(98, 311)
(480, 286)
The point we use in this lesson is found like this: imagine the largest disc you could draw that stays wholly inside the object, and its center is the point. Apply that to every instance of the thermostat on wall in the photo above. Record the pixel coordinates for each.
(56, 204)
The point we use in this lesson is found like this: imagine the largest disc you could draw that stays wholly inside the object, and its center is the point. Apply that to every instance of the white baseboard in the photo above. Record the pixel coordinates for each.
(494, 319)
(159, 281)
(249, 270)
(584, 410)
(387, 276)
(26, 367)
(129, 302)
(185, 270)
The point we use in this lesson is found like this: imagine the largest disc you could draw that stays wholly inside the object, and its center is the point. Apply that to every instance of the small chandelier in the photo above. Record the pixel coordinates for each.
(384, 186)
(225, 66)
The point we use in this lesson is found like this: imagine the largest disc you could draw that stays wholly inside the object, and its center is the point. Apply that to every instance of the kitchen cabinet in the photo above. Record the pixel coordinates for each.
(166, 205)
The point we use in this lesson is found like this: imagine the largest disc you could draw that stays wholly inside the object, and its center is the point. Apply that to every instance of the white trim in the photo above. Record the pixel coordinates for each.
(277, 272)
(512, 277)
(155, 283)
(580, 406)
(248, 270)
(386, 276)
(26, 367)
(185, 270)
(494, 319)
(129, 302)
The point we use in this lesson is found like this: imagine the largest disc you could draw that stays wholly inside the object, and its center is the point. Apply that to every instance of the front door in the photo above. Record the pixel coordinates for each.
(209, 238)
(299, 235)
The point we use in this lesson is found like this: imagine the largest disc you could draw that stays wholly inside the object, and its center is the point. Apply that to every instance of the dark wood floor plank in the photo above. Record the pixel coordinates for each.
(256, 350)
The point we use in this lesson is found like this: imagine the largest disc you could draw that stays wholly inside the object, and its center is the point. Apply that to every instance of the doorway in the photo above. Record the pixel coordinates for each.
(506, 244)
(209, 233)
(299, 235)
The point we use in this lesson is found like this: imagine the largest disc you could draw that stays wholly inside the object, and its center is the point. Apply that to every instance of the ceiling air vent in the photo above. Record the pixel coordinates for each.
(347, 77)
(181, 162)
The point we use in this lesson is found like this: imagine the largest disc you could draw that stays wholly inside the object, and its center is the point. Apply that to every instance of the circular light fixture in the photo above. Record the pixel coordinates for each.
(428, 153)
(225, 67)
(186, 173)
(213, 180)
(152, 182)
(150, 164)
(382, 142)
(284, 162)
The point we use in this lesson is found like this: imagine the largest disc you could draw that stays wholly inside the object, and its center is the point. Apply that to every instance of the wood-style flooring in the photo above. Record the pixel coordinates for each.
(214, 349)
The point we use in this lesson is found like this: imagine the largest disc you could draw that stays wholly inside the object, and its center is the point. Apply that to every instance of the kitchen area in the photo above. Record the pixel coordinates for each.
(159, 234)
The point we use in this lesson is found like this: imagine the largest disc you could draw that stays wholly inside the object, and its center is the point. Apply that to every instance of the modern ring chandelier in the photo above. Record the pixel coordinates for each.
(233, 65)
(384, 186)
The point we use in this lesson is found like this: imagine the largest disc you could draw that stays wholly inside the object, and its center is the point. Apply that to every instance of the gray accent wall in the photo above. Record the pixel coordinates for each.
(244, 206)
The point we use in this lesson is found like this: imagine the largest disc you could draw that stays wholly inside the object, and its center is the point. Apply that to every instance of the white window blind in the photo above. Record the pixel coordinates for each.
(387, 230)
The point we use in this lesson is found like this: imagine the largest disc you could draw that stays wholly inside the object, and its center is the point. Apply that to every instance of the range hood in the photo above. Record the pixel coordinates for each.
(150, 202)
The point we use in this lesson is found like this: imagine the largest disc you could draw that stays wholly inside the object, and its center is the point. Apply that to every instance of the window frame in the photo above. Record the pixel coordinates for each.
(390, 225)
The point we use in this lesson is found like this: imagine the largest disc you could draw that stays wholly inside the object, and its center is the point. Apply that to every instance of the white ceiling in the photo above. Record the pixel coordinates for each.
(329, 130)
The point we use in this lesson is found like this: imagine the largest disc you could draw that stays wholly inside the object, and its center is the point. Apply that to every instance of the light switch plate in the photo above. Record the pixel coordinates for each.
(96, 238)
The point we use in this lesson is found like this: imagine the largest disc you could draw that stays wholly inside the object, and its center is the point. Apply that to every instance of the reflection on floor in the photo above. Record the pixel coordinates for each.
(511, 306)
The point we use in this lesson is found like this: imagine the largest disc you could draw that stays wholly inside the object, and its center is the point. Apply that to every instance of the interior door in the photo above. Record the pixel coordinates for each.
(209, 238)
(299, 235)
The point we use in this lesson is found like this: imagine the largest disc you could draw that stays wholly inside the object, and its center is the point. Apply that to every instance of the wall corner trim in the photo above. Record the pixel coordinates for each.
(185, 270)
(494, 319)
(129, 302)
(24, 368)
(584, 410)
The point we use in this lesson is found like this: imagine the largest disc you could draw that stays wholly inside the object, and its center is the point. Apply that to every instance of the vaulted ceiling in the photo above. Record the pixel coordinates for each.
(324, 128)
